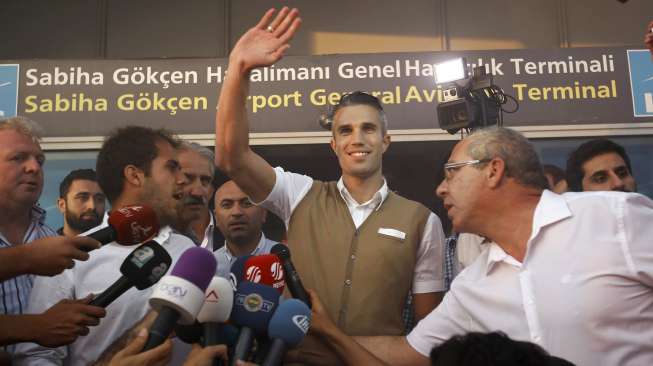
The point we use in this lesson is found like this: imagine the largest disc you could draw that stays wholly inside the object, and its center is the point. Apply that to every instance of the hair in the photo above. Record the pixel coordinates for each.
(518, 154)
(555, 172)
(202, 151)
(491, 349)
(131, 145)
(24, 126)
(360, 98)
(79, 174)
(587, 151)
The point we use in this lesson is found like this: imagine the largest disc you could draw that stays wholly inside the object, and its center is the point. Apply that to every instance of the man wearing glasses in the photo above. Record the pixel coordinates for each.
(358, 244)
(572, 273)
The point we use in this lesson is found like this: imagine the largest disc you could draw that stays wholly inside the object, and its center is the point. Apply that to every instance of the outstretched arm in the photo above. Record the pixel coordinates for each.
(262, 45)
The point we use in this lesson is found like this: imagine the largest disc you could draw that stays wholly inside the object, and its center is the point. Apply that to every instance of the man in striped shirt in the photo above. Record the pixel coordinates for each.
(28, 246)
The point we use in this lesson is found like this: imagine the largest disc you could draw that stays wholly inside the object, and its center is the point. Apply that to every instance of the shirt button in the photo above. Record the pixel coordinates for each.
(352, 257)
(348, 282)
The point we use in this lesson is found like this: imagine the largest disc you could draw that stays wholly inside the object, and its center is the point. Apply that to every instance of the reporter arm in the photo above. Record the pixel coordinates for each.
(394, 350)
(128, 336)
(131, 354)
(13, 261)
(17, 328)
(423, 304)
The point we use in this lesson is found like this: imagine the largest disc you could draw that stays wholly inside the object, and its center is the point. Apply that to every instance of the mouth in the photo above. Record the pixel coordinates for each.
(359, 154)
(240, 225)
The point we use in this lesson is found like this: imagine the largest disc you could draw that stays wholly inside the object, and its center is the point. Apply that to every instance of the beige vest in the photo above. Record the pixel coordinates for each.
(363, 276)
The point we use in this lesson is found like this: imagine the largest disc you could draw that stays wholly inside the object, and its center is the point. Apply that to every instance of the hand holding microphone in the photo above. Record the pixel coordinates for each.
(179, 296)
(142, 268)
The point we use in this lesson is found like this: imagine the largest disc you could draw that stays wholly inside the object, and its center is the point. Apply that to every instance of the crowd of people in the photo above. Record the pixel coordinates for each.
(537, 270)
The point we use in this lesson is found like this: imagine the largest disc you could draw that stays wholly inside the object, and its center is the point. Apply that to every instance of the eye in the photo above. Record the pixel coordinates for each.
(246, 203)
(226, 204)
(599, 178)
(622, 172)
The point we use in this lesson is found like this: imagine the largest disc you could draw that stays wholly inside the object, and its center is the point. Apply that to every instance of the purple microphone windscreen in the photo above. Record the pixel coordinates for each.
(196, 265)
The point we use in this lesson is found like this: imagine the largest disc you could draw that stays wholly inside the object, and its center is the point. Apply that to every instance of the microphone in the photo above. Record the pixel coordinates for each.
(218, 302)
(237, 274)
(128, 225)
(142, 268)
(287, 329)
(265, 269)
(179, 296)
(293, 281)
(254, 305)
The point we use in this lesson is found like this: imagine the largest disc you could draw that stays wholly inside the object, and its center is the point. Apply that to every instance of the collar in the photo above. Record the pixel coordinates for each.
(551, 208)
(37, 214)
(377, 199)
(256, 251)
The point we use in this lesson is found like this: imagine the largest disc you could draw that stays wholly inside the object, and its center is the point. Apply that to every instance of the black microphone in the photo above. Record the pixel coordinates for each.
(293, 282)
(142, 268)
(180, 295)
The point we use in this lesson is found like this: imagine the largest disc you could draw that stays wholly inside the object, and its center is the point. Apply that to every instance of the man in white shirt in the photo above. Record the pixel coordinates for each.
(571, 273)
(136, 166)
(403, 248)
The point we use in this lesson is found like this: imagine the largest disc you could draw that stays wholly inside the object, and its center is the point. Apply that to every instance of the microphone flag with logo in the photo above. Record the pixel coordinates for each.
(254, 305)
(265, 269)
(128, 225)
(287, 329)
(179, 296)
(142, 268)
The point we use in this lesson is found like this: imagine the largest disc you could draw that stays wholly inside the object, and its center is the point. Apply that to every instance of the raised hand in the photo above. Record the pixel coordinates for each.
(266, 42)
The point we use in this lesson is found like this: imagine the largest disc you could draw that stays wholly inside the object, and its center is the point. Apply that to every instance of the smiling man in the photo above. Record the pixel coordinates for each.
(362, 247)
(81, 202)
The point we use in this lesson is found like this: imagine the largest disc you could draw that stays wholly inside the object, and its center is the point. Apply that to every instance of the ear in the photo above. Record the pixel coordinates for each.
(61, 205)
(495, 172)
(386, 142)
(333, 144)
(133, 175)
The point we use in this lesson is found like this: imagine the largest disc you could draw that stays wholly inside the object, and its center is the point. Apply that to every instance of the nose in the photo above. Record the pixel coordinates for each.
(357, 136)
(32, 165)
(616, 183)
(442, 189)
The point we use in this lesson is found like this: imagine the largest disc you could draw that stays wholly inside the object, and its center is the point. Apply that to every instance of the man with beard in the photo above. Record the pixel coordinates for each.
(81, 202)
(600, 165)
(195, 218)
(240, 222)
(135, 166)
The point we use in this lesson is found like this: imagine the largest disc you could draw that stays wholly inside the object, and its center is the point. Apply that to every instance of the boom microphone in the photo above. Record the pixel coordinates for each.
(179, 296)
(128, 225)
(287, 329)
(142, 268)
(293, 281)
(254, 305)
(265, 269)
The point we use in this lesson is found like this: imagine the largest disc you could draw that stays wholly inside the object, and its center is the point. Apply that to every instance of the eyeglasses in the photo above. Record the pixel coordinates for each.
(449, 168)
